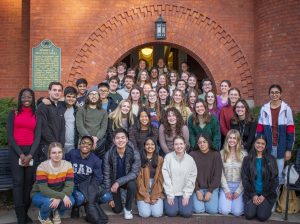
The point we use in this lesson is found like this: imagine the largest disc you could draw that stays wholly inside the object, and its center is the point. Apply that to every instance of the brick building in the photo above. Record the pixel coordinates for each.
(251, 42)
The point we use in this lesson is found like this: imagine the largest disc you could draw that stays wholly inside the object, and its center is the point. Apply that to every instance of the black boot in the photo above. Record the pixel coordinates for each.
(28, 220)
(21, 215)
(75, 212)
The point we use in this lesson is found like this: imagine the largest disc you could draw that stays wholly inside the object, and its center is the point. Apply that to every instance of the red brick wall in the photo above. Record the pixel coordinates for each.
(277, 49)
(94, 34)
(14, 42)
(223, 41)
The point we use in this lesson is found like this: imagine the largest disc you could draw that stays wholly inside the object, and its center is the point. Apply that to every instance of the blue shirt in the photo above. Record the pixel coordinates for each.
(120, 166)
(104, 105)
(259, 180)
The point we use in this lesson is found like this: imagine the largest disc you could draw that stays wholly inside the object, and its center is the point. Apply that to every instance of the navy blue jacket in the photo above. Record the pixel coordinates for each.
(83, 168)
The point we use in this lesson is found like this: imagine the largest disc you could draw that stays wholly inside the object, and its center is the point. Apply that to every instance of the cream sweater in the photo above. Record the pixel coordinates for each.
(179, 175)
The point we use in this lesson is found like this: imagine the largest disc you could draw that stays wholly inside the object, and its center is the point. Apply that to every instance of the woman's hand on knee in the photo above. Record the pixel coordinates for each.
(207, 196)
(235, 195)
(185, 201)
(67, 202)
(199, 195)
(170, 201)
(54, 203)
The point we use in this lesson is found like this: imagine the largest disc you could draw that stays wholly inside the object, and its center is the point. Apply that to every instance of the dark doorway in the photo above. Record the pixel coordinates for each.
(173, 57)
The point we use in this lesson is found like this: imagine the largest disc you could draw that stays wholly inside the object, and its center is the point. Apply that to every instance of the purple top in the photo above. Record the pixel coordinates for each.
(220, 104)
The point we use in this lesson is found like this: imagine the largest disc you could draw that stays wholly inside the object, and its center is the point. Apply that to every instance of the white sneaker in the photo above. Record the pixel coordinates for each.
(56, 217)
(47, 221)
(127, 214)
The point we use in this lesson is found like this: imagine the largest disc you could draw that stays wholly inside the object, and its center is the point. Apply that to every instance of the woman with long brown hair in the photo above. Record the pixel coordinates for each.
(172, 125)
(244, 122)
(201, 121)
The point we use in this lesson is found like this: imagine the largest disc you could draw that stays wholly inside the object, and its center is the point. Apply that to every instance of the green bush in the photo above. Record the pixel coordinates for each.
(6, 105)
(297, 129)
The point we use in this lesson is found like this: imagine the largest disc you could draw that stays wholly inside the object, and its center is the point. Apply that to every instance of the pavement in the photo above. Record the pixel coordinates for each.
(8, 216)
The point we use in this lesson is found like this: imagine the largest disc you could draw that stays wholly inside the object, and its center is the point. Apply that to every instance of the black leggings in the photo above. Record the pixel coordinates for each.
(262, 212)
(23, 178)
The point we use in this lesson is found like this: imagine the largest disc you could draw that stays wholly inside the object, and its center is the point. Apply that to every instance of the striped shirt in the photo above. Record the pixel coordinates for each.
(54, 182)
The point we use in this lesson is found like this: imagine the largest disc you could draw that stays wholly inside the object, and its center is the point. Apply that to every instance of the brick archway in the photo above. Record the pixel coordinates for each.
(197, 34)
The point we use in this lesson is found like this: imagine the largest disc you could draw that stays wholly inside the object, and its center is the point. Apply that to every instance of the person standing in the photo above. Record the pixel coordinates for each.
(24, 133)
(81, 85)
(91, 119)
(277, 124)
(107, 103)
(53, 120)
(206, 85)
(128, 84)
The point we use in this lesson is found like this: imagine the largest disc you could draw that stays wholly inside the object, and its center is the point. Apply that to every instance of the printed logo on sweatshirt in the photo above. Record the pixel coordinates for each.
(82, 169)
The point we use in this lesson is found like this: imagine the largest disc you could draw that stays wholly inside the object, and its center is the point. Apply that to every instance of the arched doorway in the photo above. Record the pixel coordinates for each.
(172, 55)
(213, 47)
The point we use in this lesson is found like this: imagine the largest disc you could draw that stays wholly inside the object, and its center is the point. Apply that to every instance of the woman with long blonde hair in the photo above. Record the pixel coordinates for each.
(178, 101)
(231, 194)
(121, 117)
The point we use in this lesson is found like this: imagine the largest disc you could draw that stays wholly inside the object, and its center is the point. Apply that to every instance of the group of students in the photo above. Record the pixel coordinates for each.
(149, 137)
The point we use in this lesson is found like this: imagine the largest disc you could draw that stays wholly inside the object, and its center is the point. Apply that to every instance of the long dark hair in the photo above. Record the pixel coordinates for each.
(144, 159)
(265, 160)
(138, 125)
(19, 106)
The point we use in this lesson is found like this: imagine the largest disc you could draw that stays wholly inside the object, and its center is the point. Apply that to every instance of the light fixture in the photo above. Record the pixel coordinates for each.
(147, 51)
(160, 29)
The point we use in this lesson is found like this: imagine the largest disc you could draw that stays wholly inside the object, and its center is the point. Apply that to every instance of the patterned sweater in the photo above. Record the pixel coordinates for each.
(54, 182)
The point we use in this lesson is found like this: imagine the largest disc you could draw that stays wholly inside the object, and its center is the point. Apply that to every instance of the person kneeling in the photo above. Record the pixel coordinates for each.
(52, 190)
(179, 172)
(122, 164)
(88, 181)
(150, 182)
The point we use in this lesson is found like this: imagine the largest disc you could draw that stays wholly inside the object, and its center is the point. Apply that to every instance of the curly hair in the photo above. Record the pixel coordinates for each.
(179, 122)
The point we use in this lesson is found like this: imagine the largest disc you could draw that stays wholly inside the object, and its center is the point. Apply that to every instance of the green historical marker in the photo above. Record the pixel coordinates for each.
(46, 63)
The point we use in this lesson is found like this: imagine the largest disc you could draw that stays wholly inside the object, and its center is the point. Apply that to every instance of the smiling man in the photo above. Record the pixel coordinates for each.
(53, 122)
(85, 165)
(92, 119)
(121, 166)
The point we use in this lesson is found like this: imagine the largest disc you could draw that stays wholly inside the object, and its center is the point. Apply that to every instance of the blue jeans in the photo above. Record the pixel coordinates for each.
(178, 208)
(280, 165)
(236, 206)
(80, 199)
(210, 206)
(43, 203)
(146, 209)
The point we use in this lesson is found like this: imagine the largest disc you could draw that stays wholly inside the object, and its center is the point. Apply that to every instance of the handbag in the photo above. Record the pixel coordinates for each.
(294, 202)
(291, 173)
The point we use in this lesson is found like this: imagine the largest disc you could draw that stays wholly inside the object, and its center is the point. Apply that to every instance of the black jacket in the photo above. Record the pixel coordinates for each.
(270, 178)
(53, 123)
(112, 105)
(247, 132)
(132, 166)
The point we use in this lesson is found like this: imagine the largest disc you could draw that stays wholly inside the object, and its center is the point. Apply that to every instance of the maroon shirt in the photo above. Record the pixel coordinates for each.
(275, 114)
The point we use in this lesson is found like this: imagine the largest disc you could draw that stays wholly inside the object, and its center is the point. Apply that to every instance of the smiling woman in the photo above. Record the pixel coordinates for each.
(52, 190)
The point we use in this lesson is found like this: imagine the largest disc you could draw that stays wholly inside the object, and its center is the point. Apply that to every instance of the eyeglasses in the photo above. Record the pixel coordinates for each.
(103, 91)
(275, 93)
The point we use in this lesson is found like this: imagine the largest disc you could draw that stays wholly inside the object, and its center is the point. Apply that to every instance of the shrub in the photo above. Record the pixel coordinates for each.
(6, 105)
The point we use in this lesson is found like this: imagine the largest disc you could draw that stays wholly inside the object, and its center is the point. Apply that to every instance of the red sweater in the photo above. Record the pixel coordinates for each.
(24, 125)
(225, 116)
